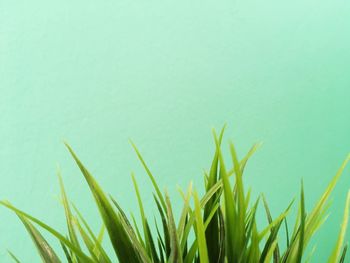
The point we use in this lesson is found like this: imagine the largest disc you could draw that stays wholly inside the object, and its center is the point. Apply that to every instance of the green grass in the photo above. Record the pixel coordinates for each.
(220, 226)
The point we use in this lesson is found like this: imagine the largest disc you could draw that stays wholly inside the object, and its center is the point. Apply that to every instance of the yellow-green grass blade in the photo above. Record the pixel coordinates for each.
(166, 233)
(101, 234)
(253, 253)
(321, 203)
(230, 213)
(89, 243)
(200, 232)
(191, 219)
(338, 247)
(69, 217)
(275, 222)
(184, 212)
(250, 153)
(276, 254)
(302, 225)
(240, 203)
(118, 235)
(316, 217)
(153, 180)
(143, 216)
(55, 233)
(246, 158)
(137, 230)
(212, 178)
(309, 256)
(97, 240)
(193, 249)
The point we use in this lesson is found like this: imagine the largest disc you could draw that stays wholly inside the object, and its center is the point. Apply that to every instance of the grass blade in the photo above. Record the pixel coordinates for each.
(119, 237)
(337, 249)
(200, 232)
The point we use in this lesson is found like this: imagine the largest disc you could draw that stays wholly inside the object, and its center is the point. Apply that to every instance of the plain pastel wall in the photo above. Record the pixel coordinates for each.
(96, 73)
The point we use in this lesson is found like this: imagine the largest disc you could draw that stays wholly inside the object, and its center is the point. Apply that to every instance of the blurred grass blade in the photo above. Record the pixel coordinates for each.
(338, 247)
(13, 256)
(270, 252)
(343, 255)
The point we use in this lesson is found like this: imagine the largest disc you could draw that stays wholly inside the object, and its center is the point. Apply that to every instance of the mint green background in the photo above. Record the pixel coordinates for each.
(96, 73)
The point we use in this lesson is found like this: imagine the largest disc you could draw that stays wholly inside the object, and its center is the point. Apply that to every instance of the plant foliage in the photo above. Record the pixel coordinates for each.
(220, 226)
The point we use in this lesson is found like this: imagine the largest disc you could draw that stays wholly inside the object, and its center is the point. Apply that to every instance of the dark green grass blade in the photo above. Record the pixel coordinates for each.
(152, 245)
(166, 233)
(138, 246)
(119, 237)
(161, 253)
(221, 255)
(212, 232)
(343, 254)
(287, 231)
(66, 253)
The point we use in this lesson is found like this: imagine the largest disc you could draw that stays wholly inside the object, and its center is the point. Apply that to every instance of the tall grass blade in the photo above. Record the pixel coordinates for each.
(120, 239)
(200, 232)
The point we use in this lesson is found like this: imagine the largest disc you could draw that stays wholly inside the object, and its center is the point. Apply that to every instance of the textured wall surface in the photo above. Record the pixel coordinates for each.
(163, 73)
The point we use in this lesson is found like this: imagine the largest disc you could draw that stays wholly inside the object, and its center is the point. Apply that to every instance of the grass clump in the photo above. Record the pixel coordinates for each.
(219, 226)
